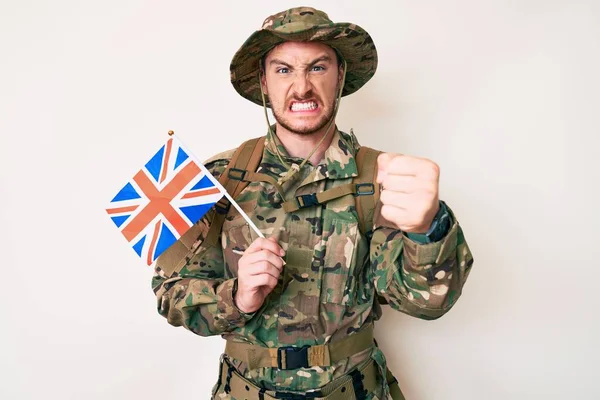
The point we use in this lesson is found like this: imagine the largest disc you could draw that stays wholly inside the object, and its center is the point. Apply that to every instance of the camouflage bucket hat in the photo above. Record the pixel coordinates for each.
(352, 42)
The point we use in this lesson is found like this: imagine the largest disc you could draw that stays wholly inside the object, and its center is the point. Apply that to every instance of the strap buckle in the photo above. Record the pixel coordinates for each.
(222, 206)
(364, 189)
(295, 357)
(307, 200)
(237, 174)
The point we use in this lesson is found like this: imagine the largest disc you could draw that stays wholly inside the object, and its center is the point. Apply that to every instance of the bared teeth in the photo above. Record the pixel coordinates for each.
(308, 106)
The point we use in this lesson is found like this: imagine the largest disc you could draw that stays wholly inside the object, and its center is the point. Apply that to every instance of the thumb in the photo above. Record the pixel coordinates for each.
(383, 160)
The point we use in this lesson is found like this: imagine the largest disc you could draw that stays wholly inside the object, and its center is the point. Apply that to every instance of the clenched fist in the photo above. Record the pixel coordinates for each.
(258, 272)
(409, 195)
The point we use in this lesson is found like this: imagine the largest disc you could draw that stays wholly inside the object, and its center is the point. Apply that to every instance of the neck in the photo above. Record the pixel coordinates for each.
(301, 145)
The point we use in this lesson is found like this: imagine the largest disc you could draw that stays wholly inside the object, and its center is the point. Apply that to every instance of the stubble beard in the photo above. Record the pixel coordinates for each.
(306, 130)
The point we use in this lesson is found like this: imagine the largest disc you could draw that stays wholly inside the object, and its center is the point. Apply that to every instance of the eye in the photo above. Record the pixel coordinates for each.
(318, 68)
(282, 70)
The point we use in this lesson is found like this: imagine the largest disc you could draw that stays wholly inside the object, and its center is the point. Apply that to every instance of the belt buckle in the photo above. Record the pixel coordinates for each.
(295, 357)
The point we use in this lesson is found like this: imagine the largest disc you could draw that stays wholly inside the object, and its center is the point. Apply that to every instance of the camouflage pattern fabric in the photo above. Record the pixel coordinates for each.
(328, 287)
(351, 41)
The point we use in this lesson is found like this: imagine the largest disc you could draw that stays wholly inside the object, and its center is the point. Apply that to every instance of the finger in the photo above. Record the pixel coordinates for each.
(396, 199)
(264, 280)
(383, 161)
(413, 166)
(264, 255)
(281, 251)
(255, 281)
(261, 268)
(265, 244)
(400, 183)
(272, 283)
(272, 245)
(255, 246)
(404, 165)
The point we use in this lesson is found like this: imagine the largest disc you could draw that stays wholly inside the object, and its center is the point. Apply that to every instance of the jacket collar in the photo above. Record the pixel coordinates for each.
(337, 163)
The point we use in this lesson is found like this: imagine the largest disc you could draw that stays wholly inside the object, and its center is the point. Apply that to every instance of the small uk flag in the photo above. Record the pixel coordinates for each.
(163, 200)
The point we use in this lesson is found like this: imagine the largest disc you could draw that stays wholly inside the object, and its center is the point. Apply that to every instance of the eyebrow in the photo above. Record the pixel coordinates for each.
(315, 61)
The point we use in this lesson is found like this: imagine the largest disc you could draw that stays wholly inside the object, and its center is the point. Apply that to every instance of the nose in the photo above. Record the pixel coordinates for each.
(302, 85)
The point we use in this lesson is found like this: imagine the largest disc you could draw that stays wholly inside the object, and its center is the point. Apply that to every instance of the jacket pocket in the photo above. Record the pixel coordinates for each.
(340, 241)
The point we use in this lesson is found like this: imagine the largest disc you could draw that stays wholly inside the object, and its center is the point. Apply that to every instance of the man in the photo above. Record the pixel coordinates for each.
(297, 307)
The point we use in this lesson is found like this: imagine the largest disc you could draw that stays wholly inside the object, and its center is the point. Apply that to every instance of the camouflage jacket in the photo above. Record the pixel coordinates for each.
(328, 287)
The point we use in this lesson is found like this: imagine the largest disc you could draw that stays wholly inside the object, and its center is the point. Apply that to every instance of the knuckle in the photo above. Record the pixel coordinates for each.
(430, 191)
(396, 161)
(263, 266)
(268, 247)
(433, 168)
(278, 262)
(268, 267)
(266, 255)
(274, 262)
(271, 282)
(263, 254)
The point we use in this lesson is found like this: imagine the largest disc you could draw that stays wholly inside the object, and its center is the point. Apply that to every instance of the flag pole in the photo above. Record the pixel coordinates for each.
(231, 200)
(237, 207)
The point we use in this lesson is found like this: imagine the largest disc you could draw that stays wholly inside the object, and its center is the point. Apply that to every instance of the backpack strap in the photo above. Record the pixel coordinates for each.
(366, 162)
(238, 174)
(175, 257)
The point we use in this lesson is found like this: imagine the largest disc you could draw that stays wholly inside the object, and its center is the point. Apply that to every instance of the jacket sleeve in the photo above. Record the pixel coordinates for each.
(421, 280)
(197, 295)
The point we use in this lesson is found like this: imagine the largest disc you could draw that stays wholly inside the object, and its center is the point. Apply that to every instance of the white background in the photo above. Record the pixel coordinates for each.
(503, 95)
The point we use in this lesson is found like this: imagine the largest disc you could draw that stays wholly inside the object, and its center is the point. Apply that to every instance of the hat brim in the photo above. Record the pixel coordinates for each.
(352, 42)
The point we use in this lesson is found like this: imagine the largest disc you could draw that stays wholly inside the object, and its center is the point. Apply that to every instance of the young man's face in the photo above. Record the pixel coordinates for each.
(302, 81)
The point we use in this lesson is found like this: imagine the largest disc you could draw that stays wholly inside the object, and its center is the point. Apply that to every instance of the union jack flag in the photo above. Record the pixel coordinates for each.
(163, 200)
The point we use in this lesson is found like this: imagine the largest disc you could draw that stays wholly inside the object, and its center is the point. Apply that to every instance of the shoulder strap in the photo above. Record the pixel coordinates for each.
(246, 158)
(366, 162)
